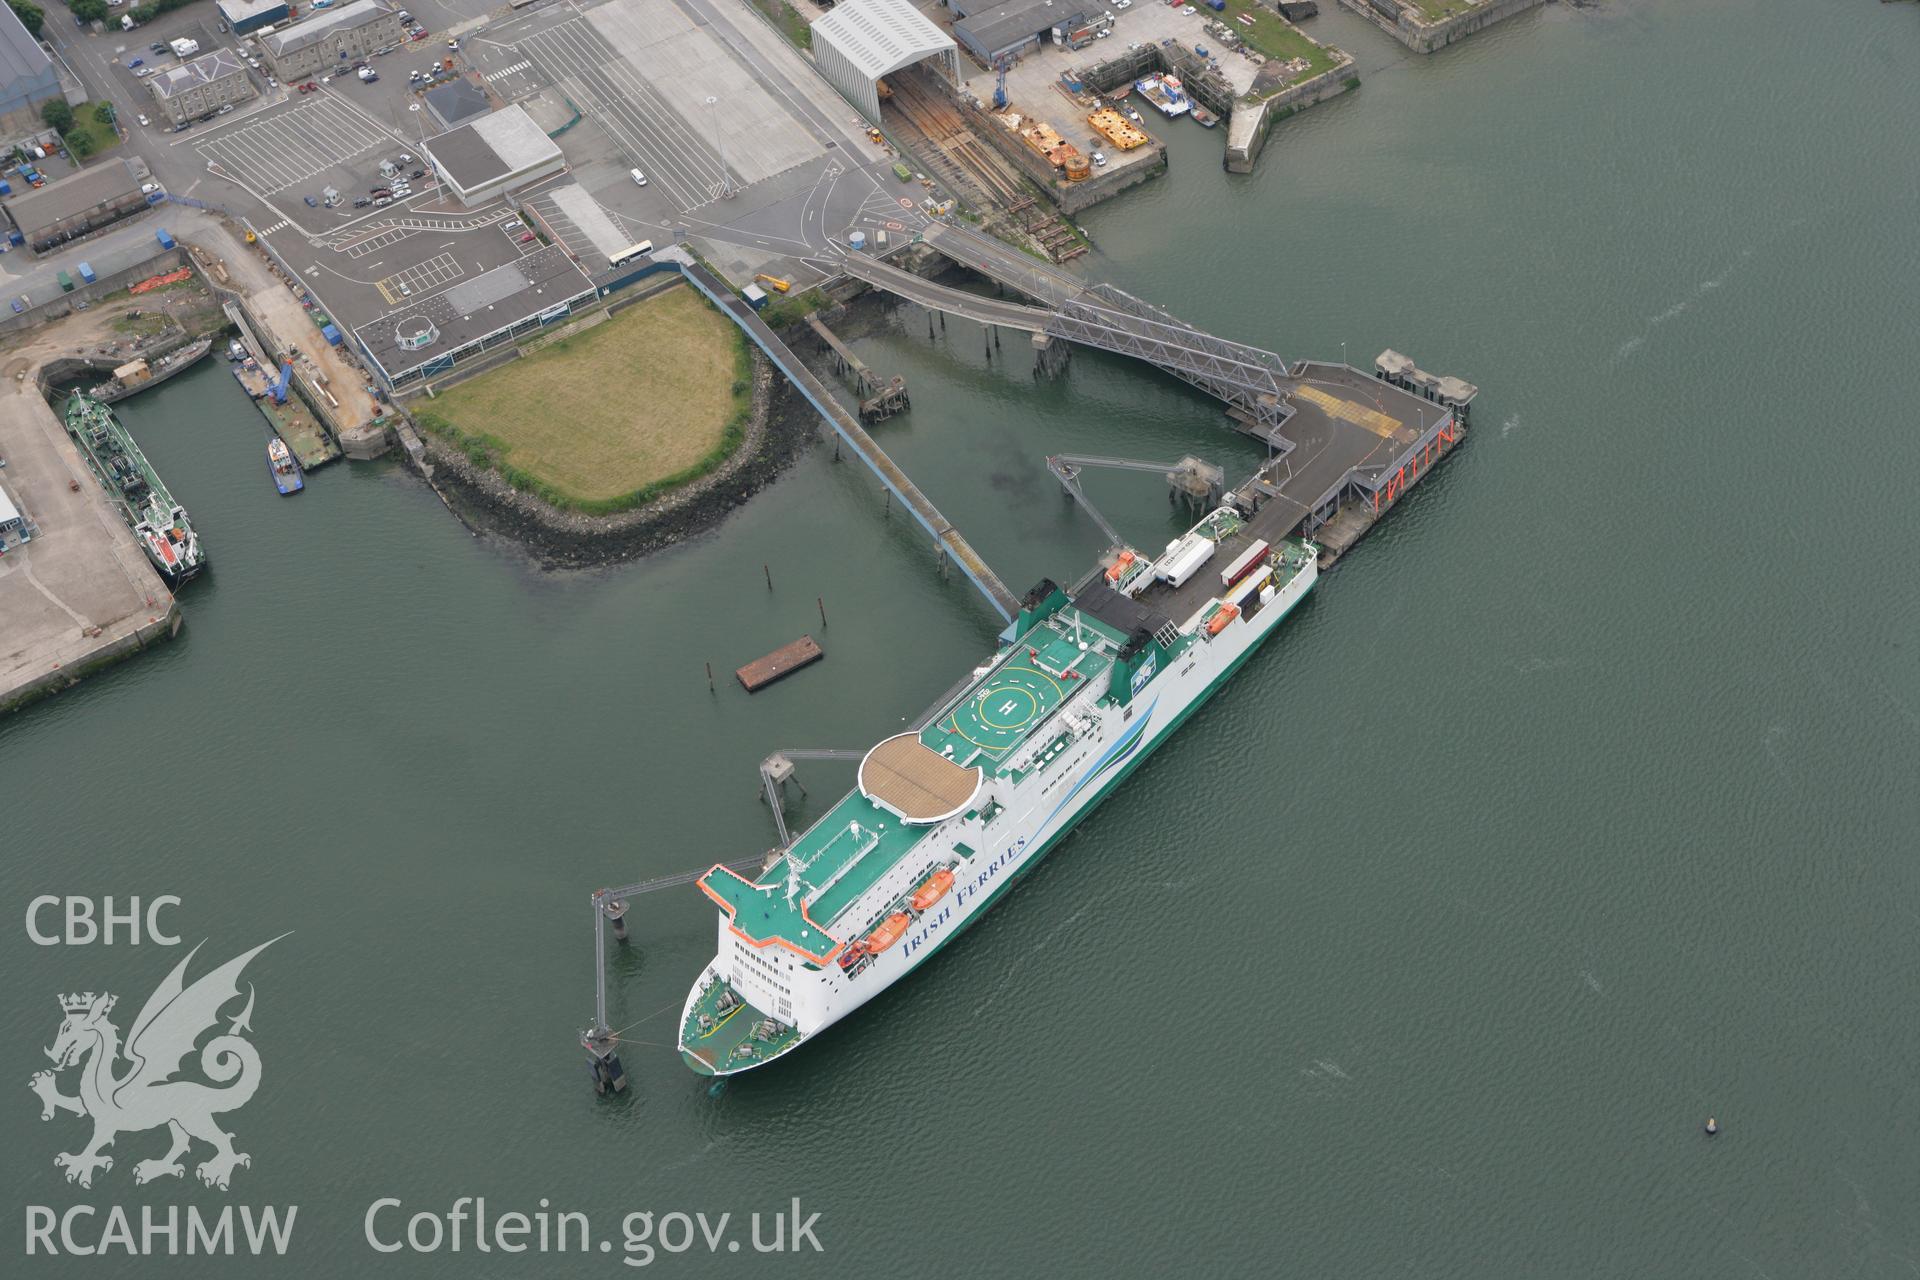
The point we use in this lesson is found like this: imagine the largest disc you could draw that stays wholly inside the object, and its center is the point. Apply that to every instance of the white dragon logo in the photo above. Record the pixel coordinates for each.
(147, 1096)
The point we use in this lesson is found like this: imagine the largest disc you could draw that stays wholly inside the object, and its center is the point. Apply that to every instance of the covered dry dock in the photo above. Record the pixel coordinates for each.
(862, 41)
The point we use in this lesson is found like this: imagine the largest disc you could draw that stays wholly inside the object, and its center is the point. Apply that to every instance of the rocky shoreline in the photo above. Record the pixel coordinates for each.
(780, 427)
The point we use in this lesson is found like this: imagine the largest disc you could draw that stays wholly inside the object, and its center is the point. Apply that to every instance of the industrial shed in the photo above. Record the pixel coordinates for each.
(862, 41)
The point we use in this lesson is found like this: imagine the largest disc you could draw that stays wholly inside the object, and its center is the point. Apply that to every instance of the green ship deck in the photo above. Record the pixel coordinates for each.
(796, 901)
(833, 863)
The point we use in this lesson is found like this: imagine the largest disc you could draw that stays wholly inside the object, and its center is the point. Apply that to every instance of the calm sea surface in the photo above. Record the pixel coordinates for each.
(1578, 804)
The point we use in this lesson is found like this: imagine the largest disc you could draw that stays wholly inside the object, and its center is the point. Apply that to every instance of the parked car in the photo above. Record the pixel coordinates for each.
(418, 174)
(144, 121)
(361, 202)
(1100, 157)
(380, 191)
(311, 202)
(223, 110)
(157, 47)
(144, 72)
(380, 200)
(18, 306)
(526, 237)
(148, 188)
(134, 62)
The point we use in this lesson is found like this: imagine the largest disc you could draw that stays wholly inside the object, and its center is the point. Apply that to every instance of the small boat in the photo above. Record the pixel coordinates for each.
(934, 889)
(888, 933)
(1204, 117)
(285, 469)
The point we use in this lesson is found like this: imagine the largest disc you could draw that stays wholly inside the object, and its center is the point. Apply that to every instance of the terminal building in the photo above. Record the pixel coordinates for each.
(27, 77)
(76, 205)
(860, 42)
(493, 155)
(248, 16)
(192, 90)
(330, 38)
(427, 336)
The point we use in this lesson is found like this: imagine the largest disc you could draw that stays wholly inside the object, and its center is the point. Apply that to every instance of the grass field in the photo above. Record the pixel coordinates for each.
(610, 418)
(1435, 10)
(1276, 37)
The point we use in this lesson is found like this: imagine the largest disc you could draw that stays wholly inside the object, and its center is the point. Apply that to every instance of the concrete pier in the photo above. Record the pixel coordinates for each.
(81, 594)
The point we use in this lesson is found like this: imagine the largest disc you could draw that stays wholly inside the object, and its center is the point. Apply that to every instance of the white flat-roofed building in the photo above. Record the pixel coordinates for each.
(200, 87)
(330, 38)
(493, 155)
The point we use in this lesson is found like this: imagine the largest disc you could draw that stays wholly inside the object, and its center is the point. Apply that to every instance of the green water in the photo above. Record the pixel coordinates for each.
(1578, 803)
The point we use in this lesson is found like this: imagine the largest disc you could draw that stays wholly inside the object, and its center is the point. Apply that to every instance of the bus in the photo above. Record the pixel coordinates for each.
(629, 253)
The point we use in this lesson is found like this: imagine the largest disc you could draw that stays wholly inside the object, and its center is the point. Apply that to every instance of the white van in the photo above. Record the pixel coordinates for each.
(639, 178)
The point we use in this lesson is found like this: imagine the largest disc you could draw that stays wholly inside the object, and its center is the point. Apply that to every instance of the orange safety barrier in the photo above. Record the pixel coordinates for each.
(156, 282)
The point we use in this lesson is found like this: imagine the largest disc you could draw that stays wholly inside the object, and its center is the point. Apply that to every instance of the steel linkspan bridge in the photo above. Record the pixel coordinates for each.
(1248, 379)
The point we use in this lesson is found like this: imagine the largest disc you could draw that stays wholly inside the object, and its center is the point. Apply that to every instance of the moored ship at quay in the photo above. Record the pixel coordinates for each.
(1087, 682)
(158, 522)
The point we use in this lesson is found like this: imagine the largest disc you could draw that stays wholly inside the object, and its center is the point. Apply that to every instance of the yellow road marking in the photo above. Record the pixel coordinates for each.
(1350, 411)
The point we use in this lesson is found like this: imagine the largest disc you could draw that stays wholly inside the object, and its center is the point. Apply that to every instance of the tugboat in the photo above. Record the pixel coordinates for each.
(285, 469)
(156, 519)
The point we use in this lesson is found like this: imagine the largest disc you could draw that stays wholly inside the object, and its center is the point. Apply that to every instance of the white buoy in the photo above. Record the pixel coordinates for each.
(1713, 1126)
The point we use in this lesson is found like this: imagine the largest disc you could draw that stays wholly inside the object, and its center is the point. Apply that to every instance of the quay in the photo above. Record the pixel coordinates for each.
(80, 593)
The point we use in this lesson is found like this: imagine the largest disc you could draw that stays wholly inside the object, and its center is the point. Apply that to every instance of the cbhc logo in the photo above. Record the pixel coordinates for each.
(85, 925)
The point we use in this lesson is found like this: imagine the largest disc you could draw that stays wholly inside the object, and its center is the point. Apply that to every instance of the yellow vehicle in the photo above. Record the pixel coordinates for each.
(874, 134)
(774, 283)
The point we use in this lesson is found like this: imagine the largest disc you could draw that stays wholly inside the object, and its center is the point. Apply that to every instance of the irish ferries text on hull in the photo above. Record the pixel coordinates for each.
(947, 817)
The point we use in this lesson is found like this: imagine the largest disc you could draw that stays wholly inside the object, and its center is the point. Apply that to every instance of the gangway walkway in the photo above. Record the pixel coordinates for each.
(948, 540)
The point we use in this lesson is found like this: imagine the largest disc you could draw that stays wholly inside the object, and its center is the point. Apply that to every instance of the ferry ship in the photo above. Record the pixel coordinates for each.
(1085, 684)
(158, 522)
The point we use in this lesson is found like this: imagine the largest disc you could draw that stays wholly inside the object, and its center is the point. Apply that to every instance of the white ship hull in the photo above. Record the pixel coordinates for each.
(1037, 812)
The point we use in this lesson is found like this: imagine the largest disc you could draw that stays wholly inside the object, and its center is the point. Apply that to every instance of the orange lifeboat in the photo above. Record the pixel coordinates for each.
(1218, 622)
(933, 890)
(1121, 566)
(888, 933)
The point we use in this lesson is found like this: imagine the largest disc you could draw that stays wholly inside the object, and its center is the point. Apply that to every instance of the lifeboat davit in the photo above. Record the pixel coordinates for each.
(933, 890)
(1121, 566)
(1218, 622)
(888, 933)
